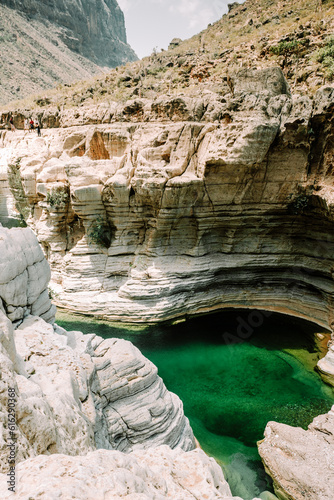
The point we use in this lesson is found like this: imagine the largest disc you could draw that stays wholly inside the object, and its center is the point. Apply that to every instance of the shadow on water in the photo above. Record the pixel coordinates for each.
(232, 385)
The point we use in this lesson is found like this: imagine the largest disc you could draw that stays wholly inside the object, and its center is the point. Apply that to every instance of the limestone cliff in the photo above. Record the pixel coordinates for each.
(92, 417)
(44, 44)
(84, 391)
(153, 210)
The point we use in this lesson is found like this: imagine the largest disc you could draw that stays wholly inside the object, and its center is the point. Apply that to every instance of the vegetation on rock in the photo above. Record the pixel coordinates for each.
(15, 183)
(99, 233)
(57, 198)
(325, 55)
(294, 35)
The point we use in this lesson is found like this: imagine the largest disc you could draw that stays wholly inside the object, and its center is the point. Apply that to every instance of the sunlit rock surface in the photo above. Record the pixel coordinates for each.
(325, 366)
(154, 210)
(301, 462)
(75, 392)
(153, 474)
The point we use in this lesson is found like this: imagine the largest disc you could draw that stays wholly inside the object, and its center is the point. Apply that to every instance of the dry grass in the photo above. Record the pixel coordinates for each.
(246, 36)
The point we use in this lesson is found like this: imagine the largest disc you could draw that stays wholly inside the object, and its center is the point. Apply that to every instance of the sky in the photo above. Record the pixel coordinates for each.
(154, 23)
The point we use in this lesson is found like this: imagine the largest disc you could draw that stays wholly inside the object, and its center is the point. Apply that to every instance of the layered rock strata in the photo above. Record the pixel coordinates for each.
(154, 210)
(75, 392)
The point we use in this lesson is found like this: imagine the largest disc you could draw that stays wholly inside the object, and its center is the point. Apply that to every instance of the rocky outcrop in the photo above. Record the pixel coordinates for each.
(154, 474)
(154, 210)
(46, 44)
(301, 462)
(24, 277)
(75, 392)
(325, 365)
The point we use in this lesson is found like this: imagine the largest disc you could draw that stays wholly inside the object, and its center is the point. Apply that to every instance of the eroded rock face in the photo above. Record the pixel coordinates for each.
(75, 393)
(154, 474)
(93, 28)
(45, 44)
(301, 462)
(154, 210)
(24, 277)
(325, 366)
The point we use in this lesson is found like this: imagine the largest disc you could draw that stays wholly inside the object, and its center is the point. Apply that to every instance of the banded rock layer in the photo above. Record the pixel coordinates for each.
(155, 210)
(75, 392)
(92, 417)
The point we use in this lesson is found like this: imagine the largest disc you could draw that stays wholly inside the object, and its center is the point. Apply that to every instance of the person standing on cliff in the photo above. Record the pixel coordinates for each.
(11, 122)
(38, 128)
(26, 124)
(31, 122)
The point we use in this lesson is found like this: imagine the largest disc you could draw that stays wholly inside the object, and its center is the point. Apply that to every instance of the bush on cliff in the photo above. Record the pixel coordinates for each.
(57, 198)
(325, 55)
(99, 233)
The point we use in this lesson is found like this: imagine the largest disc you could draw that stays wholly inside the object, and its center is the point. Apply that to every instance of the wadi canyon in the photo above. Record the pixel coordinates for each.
(154, 208)
(159, 210)
(155, 211)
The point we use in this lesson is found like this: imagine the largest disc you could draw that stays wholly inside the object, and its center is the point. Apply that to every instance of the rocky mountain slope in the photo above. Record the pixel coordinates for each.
(295, 35)
(44, 44)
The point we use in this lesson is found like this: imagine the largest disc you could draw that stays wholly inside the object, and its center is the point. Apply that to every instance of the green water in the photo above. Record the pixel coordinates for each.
(231, 388)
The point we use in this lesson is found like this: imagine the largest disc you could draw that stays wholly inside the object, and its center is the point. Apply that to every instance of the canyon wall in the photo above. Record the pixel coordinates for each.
(155, 210)
(85, 392)
(93, 28)
(152, 211)
(47, 44)
(85, 406)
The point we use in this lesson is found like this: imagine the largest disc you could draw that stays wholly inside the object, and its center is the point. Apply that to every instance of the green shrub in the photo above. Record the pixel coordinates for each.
(300, 203)
(17, 189)
(52, 294)
(57, 198)
(325, 55)
(99, 233)
(285, 48)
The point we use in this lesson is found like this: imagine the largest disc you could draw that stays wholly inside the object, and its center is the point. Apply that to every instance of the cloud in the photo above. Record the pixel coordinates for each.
(151, 23)
(196, 14)
(126, 5)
